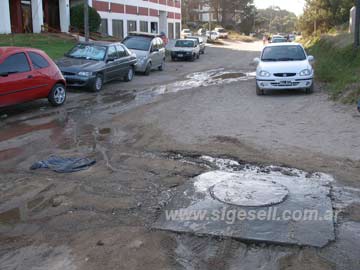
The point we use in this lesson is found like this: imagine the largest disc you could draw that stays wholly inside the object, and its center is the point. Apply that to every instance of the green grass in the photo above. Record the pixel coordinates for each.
(55, 45)
(338, 67)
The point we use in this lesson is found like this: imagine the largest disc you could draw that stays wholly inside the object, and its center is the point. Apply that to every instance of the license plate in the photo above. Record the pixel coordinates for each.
(180, 55)
(285, 83)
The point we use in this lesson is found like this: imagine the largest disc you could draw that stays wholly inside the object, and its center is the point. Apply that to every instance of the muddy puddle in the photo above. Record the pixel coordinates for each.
(75, 124)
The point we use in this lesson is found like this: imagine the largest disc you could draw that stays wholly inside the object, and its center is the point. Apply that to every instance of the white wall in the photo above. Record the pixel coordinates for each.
(37, 15)
(64, 11)
(5, 25)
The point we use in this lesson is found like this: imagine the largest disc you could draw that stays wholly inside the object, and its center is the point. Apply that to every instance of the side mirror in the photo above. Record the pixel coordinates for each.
(311, 58)
(110, 59)
(256, 60)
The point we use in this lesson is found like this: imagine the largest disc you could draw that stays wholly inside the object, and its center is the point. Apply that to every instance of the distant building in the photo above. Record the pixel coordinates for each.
(118, 16)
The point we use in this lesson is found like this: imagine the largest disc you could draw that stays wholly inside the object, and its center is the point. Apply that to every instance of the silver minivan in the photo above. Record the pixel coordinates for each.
(149, 50)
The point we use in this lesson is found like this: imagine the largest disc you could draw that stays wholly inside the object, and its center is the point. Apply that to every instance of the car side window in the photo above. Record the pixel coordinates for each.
(16, 63)
(160, 43)
(121, 51)
(154, 44)
(38, 61)
(112, 53)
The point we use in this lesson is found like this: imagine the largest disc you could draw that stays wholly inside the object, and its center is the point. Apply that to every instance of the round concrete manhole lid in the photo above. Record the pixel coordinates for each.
(249, 192)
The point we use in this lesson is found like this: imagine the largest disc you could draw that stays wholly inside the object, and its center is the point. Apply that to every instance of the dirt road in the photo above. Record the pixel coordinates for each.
(147, 137)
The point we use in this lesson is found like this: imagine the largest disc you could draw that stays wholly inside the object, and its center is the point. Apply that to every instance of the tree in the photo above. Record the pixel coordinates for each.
(322, 15)
(77, 18)
(275, 20)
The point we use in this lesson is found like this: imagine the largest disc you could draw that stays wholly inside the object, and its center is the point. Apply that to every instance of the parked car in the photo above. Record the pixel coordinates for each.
(149, 49)
(92, 64)
(212, 35)
(222, 32)
(27, 74)
(186, 33)
(284, 66)
(292, 38)
(185, 49)
(201, 43)
(278, 40)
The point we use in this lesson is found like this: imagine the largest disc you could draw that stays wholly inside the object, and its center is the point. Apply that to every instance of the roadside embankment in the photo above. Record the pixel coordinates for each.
(337, 65)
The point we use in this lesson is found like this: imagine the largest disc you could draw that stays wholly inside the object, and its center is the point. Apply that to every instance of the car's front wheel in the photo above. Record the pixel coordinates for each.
(162, 66)
(148, 69)
(98, 83)
(310, 90)
(259, 91)
(130, 75)
(57, 95)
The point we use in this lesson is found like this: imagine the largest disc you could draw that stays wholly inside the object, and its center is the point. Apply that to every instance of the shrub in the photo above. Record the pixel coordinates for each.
(77, 18)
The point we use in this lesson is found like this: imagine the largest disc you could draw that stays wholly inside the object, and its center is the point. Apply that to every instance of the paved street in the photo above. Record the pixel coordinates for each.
(102, 218)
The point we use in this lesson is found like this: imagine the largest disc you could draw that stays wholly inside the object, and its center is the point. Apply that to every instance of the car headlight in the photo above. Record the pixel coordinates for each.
(305, 72)
(85, 73)
(142, 59)
(264, 73)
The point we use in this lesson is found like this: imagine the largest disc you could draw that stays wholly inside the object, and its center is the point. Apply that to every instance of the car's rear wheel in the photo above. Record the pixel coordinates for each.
(310, 90)
(148, 69)
(98, 83)
(259, 91)
(130, 75)
(57, 95)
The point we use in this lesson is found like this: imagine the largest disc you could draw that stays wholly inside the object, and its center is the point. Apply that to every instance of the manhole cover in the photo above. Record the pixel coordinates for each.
(249, 192)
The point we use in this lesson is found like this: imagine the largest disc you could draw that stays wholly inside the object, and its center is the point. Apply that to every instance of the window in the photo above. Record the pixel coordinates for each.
(38, 61)
(104, 27)
(160, 43)
(86, 51)
(112, 52)
(154, 44)
(144, 26)
(137, 43)
(118, 28)
(131, 26)
(121, 51)
(154, 27)
(283, 53)
(15, 63)
(171, 30)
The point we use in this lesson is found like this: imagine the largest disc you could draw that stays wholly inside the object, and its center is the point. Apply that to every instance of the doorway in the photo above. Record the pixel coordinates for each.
(20, 16)
(51, 15)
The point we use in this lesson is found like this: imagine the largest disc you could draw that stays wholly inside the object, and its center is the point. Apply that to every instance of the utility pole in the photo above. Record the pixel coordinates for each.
(357, 26)
(86, 20)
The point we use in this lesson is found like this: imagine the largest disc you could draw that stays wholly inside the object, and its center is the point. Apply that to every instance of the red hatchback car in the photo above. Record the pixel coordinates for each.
(27, 74)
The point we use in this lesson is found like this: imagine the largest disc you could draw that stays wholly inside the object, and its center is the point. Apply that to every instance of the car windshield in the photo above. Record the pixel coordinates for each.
(184, 43)
(222, 31)
(283, 53)
(138, 43)
(187, 31)
(89, 52)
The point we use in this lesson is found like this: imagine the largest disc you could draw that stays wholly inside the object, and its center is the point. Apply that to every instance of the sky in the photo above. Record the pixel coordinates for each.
(295, 6)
